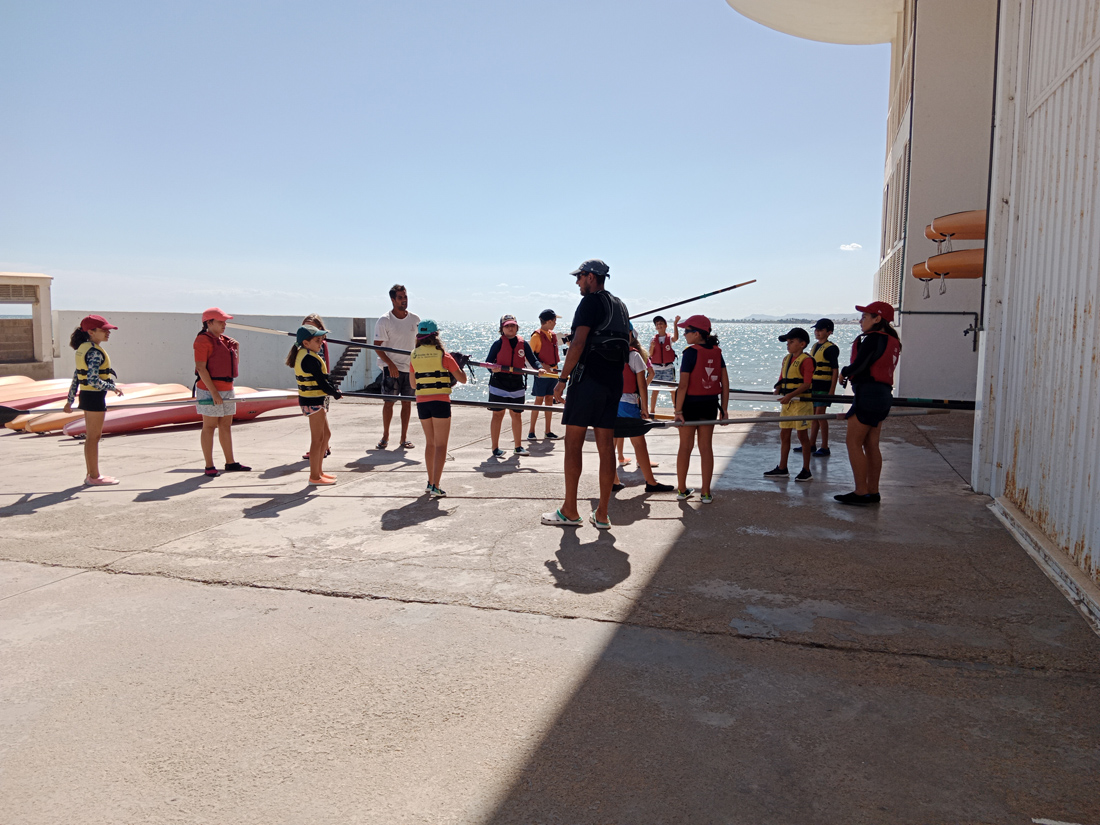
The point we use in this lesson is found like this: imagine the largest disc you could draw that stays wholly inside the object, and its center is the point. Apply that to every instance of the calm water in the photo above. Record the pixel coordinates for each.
(752, 352)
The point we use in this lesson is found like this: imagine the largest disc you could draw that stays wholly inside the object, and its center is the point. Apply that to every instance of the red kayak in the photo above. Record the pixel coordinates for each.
(249, 406)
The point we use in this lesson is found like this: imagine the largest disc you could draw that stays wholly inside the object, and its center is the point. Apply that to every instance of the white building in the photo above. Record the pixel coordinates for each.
(996, 105)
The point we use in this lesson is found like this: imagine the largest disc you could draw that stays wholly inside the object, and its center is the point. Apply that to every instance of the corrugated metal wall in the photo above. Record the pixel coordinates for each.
(1044, 396)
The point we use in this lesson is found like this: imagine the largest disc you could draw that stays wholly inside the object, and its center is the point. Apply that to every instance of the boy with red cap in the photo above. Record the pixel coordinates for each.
(217, 362)
(94, 378)
(795, 381)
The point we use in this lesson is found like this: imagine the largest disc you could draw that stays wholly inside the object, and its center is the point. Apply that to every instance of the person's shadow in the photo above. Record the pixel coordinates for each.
(29, 504)
(588, 568)
(494, 467)
(169, 491)
(417, 511)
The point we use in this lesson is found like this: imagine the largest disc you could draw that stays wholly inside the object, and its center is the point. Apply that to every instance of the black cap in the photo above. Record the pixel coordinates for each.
(594, 265)
(825, 323)
(547, 314)
(797, 333)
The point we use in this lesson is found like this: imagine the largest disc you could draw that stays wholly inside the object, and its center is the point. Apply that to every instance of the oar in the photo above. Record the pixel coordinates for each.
(689, 300)
(764, 395)
(556, 408)
(460, 358)
(11, 413)
(633, 427)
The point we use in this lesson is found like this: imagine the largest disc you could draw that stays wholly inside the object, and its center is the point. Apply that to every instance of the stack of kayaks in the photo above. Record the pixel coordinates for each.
(41, 400)
(250, 403)
(963, 263)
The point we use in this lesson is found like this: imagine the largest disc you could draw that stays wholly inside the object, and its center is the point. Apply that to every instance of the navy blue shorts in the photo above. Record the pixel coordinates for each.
(502, 402)
(433, 409)
(92, 400)
(543, 386)
(589, 404)
(872, 403)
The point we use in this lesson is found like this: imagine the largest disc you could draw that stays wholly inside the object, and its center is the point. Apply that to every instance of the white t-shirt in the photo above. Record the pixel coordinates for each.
(637, 364)
(399, 333)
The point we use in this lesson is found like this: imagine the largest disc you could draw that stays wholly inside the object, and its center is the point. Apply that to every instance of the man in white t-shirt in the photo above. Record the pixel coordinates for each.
(397, 328)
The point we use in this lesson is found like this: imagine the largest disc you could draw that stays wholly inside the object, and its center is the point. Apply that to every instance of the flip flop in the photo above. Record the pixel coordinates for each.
(407, 445)
(381, 445)
(556, 519)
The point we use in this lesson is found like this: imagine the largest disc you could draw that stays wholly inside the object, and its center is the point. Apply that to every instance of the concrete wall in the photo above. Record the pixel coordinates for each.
(157, 346)
(33, 289)
(953, 69)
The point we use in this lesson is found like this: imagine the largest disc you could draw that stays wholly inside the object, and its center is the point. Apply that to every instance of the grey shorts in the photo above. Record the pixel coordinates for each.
(206, 405)
(396, 386)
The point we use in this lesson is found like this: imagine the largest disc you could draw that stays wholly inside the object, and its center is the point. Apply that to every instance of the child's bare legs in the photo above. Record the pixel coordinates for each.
(517, 428)
(706, 457)
(441, 433)
(683, 456)
(821, 427)
(428, 425)
(94, 422)
(494, 427)
(641, 452)
(804, 440)
(619, 446)
(874, 458)
(784, 447)
(318, 425)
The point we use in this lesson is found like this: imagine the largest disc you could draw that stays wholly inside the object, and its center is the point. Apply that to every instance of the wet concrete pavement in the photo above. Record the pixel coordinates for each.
(359, 653)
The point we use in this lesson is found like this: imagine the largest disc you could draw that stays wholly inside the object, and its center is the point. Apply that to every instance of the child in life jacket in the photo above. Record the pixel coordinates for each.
(826, 357)
(793, 388)
(217, 364)
(314, 390)
(432, 372)
(635, 346)
(315, 320)
(546, 346)
(93, 378)
(662, 356)
(507, 385)
(702, 395)
(633, 405)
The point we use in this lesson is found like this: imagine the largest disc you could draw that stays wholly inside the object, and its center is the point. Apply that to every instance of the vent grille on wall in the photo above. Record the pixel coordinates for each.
(18, 294)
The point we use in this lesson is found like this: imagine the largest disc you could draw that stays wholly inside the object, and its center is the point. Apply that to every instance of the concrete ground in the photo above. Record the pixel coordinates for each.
(249, 649)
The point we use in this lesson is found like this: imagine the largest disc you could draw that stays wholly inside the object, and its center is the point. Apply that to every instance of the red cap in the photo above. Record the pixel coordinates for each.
(696, 322)
(215, 314)
(879, 308)
(91, 322)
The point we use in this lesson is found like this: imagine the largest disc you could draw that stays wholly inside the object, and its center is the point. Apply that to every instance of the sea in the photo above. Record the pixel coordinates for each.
(752, 351)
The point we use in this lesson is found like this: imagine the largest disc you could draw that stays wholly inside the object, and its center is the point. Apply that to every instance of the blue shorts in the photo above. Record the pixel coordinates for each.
(665, 373)
(543, 386)
(628, 410)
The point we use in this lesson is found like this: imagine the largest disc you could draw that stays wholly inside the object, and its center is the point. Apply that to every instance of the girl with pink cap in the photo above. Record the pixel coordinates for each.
(217, 361)
(93, 378)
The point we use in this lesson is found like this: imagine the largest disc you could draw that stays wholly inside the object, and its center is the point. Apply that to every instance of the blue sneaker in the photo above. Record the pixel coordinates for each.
(498, 453)
(685, 494)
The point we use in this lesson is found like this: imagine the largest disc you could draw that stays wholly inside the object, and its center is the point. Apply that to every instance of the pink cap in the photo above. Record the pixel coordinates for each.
(879, 308)
(215, 314)
(696, 322)
(90, 322)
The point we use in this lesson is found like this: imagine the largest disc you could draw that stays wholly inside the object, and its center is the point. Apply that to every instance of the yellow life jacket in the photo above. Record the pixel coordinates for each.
(431, 377)
(822, 370)
(307, 384)
(790, 376)
(105, 371)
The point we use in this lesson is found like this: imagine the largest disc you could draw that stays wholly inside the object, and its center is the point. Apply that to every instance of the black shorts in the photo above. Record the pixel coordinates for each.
(92, 400)
(398, 385)
(503, 401)
(872, 403)
(589, 404)
(433, 409)
(701, 408)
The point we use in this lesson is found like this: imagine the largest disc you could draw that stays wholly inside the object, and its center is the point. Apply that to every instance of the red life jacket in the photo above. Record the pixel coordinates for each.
(706, 378)
(882, 369)
(630, 380)
(663, 354)
(511, 356)
(223, 361)
(548, 350)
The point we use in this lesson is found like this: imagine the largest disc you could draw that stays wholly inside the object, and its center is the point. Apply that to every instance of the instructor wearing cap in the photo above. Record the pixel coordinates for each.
(875, 354)
(593, 372)
(217, 361)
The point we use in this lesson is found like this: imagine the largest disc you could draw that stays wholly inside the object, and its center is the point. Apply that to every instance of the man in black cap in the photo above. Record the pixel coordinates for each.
(593, 371)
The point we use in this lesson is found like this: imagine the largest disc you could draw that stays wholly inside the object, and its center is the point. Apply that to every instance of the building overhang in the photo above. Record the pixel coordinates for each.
(851, 22)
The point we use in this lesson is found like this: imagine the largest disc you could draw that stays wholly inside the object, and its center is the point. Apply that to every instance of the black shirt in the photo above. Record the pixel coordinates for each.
(510, 381)
(869, 350)
(592, 312)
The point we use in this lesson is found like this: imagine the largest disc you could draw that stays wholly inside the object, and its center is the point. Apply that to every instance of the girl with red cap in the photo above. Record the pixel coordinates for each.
(875, 355)
(217, 360)
(94, 378)
(702, 395)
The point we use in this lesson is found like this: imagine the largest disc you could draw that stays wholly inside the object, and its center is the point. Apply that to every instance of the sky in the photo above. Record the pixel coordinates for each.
(289, 157)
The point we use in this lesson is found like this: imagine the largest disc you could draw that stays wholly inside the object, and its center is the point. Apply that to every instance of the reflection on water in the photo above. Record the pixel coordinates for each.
(753, 353)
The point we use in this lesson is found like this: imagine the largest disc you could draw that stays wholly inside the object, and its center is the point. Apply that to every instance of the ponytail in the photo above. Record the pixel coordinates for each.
(204, 323)
(78, 337)
(430, 340)
(292, 356)
(710, 340)
(888, 328)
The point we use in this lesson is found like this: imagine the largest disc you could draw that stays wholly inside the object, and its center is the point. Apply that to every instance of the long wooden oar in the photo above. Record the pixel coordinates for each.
(633, 427)
(689, 300)
(10, 413)
(555, 408)
(764, 395)
(461, 358)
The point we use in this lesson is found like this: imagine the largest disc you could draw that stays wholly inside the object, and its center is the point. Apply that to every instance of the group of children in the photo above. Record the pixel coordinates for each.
(701, 393)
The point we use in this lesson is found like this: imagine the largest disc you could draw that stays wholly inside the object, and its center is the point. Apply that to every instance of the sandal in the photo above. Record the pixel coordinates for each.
(556, 519)
(326, 455)
(407, 445)
(599, 525)
(625, 461)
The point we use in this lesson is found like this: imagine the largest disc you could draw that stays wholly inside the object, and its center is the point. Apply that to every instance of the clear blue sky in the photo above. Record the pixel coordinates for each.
(284, 157)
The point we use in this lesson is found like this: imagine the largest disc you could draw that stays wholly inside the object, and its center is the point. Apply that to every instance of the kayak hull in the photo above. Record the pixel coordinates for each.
(249, 406)
(51, 422)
